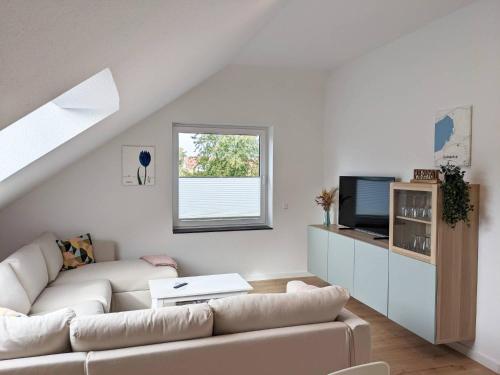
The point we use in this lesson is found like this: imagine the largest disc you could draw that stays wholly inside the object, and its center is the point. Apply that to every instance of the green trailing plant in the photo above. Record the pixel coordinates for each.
(456, 199)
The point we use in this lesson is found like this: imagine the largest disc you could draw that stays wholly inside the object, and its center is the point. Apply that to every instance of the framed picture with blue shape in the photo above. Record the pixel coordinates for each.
(452, 136)
(138, 165)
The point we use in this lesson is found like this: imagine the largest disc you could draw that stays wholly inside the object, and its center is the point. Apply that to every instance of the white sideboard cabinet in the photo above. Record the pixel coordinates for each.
(354, 260)
(424, 278)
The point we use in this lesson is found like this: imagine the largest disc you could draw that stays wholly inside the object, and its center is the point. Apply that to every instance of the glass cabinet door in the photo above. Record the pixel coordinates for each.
(412, 217)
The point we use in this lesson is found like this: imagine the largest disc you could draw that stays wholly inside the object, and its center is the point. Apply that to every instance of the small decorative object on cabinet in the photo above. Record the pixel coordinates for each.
(430, 176)
(433, 263)
(326, 199)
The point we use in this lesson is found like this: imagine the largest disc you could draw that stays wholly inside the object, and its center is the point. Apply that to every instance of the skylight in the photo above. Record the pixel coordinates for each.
(56, 122)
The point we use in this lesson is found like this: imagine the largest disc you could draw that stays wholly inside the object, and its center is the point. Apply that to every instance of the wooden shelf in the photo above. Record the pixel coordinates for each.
(412, 254)
(414, 220)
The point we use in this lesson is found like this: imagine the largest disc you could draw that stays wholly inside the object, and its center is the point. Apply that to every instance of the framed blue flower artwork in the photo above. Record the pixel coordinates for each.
(138, 165)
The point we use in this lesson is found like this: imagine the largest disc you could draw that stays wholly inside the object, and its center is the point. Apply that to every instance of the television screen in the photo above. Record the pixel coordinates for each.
(364, 203)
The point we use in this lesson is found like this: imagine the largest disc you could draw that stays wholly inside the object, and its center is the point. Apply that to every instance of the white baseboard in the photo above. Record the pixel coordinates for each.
(483, 359)
(271, 276)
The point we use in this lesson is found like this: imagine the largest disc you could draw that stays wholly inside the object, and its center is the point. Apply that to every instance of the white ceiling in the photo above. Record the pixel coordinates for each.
(159, 49)
(325, 33)
(156, 50)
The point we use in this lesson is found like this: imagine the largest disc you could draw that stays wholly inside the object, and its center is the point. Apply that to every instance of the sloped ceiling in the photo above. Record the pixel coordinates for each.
(156, 50)
(326, 33)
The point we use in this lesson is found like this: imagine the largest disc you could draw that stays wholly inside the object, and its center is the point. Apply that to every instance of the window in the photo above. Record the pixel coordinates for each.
(56, 122)
(221, 178)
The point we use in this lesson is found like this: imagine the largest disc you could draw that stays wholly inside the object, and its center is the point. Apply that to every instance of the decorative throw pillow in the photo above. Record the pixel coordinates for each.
(8, 312)
(77, 251)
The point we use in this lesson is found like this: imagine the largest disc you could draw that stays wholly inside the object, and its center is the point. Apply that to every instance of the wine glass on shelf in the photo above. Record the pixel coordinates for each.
(422, 207)
(419, 243)
(415, 243)
(427, 245)
(428, 212)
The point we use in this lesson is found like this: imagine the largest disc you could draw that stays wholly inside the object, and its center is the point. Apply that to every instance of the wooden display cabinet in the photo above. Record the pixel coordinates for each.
(413, 220)
(448, 283)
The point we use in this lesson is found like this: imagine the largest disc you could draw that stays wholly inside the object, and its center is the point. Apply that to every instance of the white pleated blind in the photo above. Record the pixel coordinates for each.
(224, 197)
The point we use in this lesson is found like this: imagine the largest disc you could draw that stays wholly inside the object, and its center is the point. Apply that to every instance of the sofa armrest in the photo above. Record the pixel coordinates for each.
(104, 251)
(360, 332)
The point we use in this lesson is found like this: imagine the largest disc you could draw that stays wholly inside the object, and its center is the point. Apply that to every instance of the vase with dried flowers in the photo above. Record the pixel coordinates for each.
(326, 199)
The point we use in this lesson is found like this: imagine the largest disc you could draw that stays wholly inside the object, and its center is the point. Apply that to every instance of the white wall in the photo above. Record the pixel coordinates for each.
(88, 196)
(379, 121)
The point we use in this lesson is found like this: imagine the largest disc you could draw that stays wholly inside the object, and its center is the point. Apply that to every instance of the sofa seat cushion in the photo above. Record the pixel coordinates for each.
(255, 312)
(51, 253)
(140, 327)
(81, 309)
(13, 296)
(29, 265)
(60, 296)
(88, 308)
(126, 301)
(124, 275)
(33, 336)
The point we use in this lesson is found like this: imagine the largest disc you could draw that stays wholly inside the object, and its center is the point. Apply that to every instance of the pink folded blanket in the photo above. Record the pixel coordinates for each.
(160, 260)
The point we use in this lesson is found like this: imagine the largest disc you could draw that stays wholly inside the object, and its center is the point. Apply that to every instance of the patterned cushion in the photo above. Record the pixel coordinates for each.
(77, 251)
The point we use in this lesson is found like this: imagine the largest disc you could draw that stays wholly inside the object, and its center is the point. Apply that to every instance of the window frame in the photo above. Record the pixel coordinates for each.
(264, 221)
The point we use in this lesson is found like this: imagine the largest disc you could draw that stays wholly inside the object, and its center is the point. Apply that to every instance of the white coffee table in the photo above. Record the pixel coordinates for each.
(199, 288)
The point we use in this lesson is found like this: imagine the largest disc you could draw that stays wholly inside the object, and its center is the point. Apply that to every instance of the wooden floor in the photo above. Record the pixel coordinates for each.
(405, 352)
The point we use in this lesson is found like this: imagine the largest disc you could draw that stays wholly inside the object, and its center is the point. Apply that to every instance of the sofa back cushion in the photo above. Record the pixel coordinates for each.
(12, 295)
(104, 251)
(34, 336)
(140, 327)
(29, 265)
(255, 312)
(51, 253)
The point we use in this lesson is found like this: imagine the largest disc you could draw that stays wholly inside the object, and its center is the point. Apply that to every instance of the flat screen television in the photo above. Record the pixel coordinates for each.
(364, 203)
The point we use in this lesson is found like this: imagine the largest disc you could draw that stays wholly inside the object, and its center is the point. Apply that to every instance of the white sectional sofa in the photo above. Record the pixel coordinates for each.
(72, 328)
(291, 333)
(33, 283)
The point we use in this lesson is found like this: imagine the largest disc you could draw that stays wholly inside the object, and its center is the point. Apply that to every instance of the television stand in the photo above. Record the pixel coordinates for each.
(381, 238)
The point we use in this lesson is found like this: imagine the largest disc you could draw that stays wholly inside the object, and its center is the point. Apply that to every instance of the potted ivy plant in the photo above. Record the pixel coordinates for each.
(456, 198)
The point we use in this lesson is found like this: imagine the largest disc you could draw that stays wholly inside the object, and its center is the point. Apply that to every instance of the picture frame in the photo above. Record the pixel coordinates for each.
(453, 136)
(138, 165)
